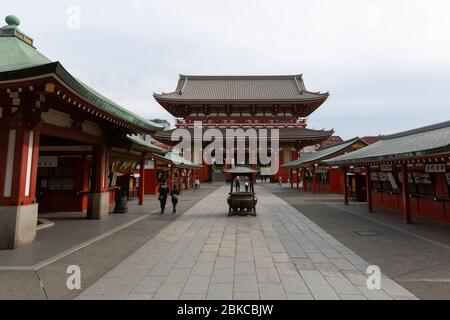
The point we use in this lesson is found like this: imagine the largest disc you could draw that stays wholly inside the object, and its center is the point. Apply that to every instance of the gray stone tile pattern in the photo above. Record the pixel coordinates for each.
(204, 254)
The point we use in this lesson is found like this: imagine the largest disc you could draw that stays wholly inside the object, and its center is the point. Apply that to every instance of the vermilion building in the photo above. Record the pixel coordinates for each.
(316, 176)
(259, 102)
(407, 172)
(62, 144)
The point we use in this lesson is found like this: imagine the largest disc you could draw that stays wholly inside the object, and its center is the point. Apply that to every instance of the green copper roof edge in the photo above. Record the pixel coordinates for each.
(435, 152)
(150, 146)
(312, 158)
(82, 90)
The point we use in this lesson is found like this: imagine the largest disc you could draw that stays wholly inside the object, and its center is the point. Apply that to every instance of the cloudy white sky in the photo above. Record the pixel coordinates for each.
(385, 63)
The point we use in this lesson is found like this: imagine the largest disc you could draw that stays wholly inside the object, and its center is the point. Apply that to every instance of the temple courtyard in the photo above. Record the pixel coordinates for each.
(299, 246)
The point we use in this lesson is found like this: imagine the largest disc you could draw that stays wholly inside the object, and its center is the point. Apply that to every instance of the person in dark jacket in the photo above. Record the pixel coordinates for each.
(175, 193)
(237, 184)
(252, 185)
(163, 191)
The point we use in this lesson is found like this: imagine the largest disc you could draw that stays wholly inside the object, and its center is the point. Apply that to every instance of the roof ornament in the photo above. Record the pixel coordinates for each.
(184, 85)
(12, 21)
(11, 30)
(298, 85)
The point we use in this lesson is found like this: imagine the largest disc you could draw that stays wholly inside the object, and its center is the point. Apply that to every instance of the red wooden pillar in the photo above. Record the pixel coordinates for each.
(182, 171)
(369, 190)
(405, 194)
(19, 166)
(291, 177)
(314, 179)
(141, 182)
(304, 180)
(344, 174)
(19, 149)
(101, 164)
(98, 201)
(85, 170)
(298, 177)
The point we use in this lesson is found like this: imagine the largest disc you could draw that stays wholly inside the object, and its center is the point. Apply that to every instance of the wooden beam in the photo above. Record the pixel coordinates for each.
(70, 134)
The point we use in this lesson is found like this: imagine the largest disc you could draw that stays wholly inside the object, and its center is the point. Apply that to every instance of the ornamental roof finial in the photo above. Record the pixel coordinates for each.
(12, 21)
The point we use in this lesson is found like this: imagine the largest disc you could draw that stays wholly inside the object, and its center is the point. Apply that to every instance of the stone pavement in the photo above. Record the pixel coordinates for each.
(280, 254)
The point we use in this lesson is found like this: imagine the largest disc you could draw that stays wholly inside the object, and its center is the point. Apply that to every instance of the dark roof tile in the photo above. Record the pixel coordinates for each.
(241, 88)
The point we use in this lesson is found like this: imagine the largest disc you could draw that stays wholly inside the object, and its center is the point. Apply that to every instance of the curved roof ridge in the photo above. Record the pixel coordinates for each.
(240, 77)
(355, 139)
(431, 127)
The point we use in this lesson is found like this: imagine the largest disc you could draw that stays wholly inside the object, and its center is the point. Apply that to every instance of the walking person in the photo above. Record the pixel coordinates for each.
(163, 191)
(252, 185)
(246, 184)
(175, 193)
(197, 184)
(280, 181)
(237, 184)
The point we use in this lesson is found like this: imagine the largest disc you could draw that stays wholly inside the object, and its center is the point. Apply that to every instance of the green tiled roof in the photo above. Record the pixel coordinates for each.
(147, 145)
(322, 154)
(16, 54)
(431, 140)
(19, 59)
(178, 161)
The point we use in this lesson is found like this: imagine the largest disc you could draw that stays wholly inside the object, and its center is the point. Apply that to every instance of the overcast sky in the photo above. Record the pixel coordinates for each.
(385, 63)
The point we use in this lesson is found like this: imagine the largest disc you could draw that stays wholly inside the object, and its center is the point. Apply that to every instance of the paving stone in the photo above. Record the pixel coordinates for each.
(202, 268)
(246, 296)
(244, 257)
(264, 262)
(356, 277)
(244, 268)
(294, 284)
(245, 283)
(284, 268)
(197, 284)
(89, 297)
(118, 292)
(161, 268)
(272, 291)
(267, 275)
(224, 262)
(304, 264)
(328, 270)
(343, 264)
(220, 291)
(280, 254)
(352, 297)
(101, 286)
(150, 284)
(168, 291)
(323, 292)
(299, 296)
(207, 257)
(222, 275)
(192, 296)
(374, 294)
(342, 285)
(280, 257)
(313, 277)
(178, 276)
(317, 258)
(139, 296)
